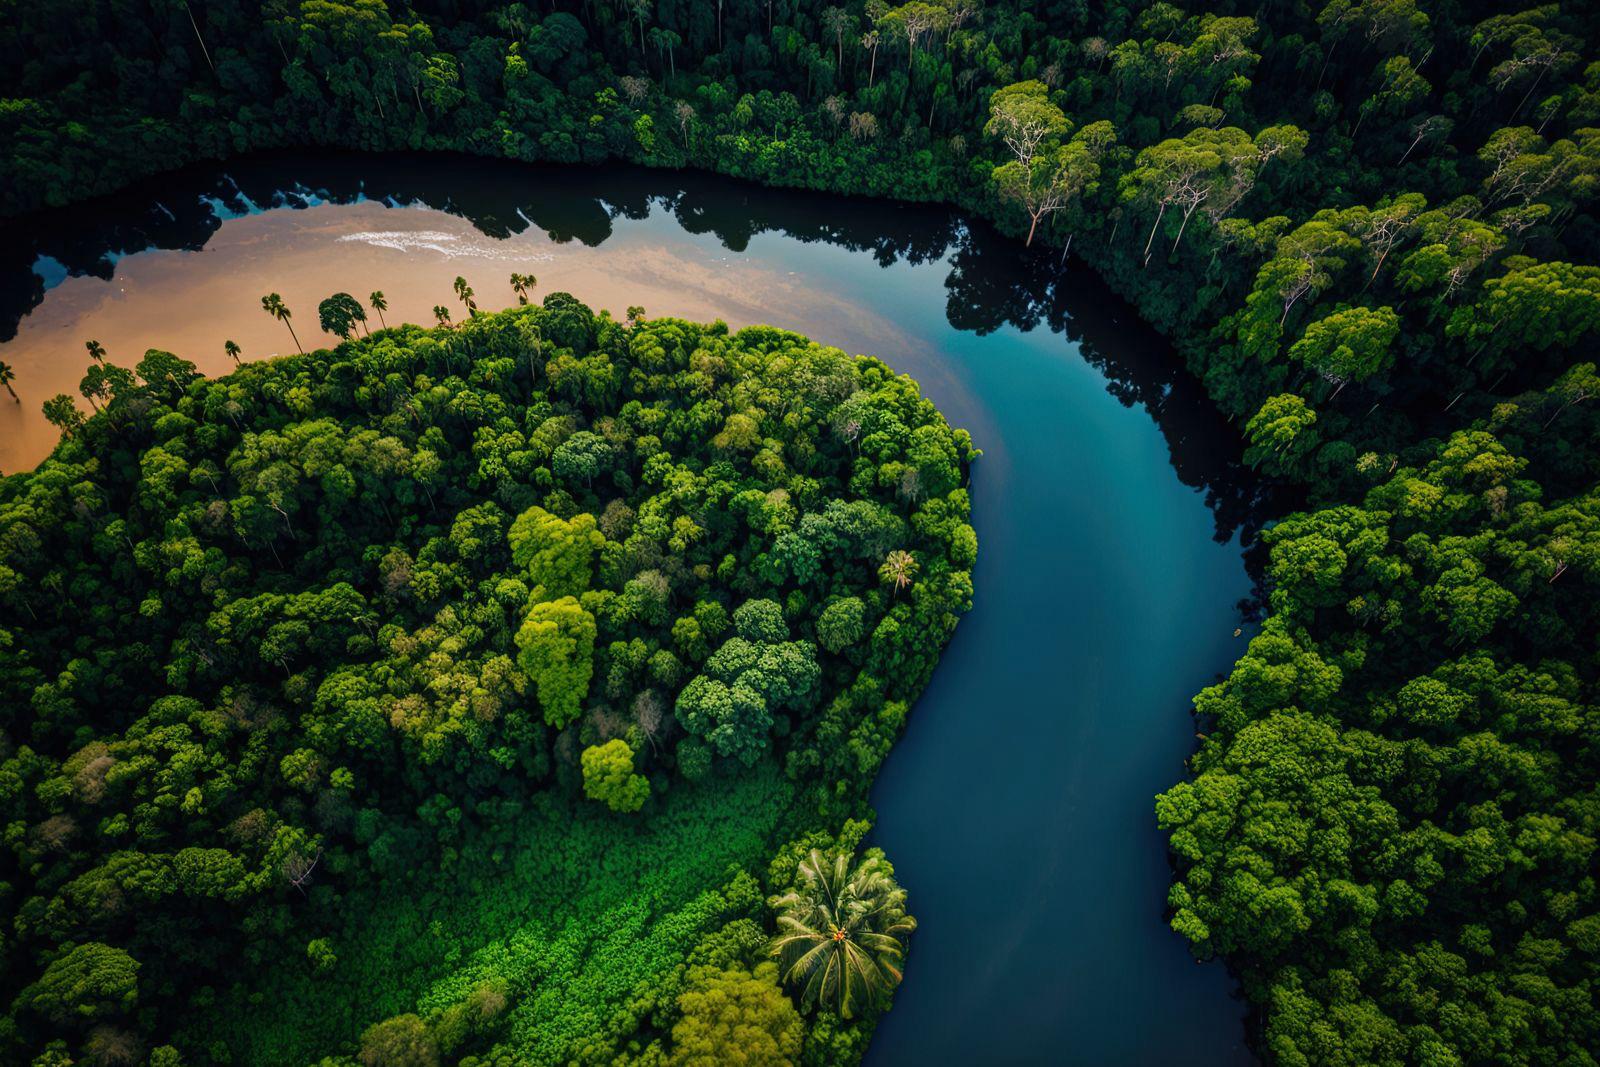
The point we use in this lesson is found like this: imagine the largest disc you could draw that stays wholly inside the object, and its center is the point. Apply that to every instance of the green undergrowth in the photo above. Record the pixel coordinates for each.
(560, 899)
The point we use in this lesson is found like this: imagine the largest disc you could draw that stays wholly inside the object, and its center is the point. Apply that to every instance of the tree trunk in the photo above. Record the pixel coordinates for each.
(1375, 268)
(1529, 93)
(1187, 215)
(296, 336)
(1029, 242)
(203, 49)
(1325, 61)
(1152, 239)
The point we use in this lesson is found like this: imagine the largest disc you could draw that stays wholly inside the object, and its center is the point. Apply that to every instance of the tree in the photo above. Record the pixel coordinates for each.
(1349, 345)
(683, 111)
(898, 569)
(380, 304)
(1281, 426)
(93, 981)
(441, 314)
(97, 351)
(608, 776)
(557, 553)
(583, 456)
(401, 1041)
(520, 284)
(233, 351)
(869, 41)
(273, 305)
(735, 1012)
(1045, 174)
(1537, 307)
(340, 313)
(842, 931)
(7, 376)
(730, 705)
(63, 414)
(1579, 383)
(841, 624)
(1022, 116)
(556, 643)
(1210, 168)
(464, 294)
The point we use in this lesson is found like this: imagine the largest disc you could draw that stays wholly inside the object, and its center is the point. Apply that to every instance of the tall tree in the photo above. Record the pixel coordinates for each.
(273, 305)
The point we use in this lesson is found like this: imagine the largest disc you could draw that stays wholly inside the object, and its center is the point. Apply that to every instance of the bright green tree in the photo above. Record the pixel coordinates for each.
(556, 644)
(735, 1014)
(608, 776)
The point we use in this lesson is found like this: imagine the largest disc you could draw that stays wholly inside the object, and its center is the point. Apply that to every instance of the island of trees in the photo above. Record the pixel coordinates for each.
(1366, 225)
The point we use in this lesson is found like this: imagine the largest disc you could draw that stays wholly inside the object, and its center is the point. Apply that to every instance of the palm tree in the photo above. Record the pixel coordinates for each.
(273, 305)
(520, 284)
(97, 351)
(380, 305)
(870, 40)
(899, 567)
(7, 376)
(464, 291)
(233, 350)
(442, 313)
(841, 932)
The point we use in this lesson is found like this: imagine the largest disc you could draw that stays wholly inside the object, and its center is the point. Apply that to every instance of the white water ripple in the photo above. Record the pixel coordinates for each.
(448, 245)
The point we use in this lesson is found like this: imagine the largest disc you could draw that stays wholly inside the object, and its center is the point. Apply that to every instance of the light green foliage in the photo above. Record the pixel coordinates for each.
(608, 776)
(557, 553)
(91, 982)
(321, 953)
(556, 644)
(402, 1041)
(735, 1015)
(1281, 432)
(1349, 345)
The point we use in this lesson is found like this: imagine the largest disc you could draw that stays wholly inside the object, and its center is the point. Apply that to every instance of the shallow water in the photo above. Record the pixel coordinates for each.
(1018, 807)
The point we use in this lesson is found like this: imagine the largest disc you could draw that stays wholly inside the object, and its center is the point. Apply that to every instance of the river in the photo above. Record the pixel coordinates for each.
(1109, 505)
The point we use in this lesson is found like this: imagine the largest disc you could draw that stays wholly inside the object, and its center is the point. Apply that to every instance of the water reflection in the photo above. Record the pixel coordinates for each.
(991, 283)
